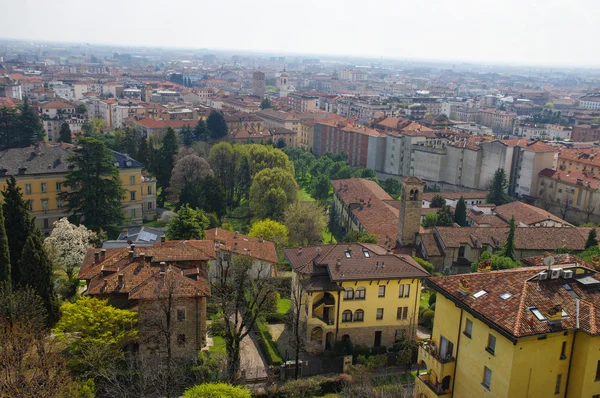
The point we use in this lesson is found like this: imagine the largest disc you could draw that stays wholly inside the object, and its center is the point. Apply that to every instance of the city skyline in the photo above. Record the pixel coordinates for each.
(458, 31)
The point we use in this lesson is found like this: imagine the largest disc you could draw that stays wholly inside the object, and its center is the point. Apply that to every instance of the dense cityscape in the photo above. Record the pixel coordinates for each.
(215, 223)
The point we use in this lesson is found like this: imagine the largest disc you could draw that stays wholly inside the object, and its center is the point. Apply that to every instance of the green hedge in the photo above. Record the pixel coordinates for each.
(267, 345)
(217, 390)
(424, 263)
(274, 317)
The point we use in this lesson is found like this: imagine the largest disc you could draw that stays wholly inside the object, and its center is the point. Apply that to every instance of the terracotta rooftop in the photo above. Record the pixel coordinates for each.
(506, 299)
(248, 245)
(527, 214)
(572, 178)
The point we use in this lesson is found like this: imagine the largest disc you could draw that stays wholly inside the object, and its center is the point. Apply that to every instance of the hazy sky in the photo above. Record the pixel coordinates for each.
(552, 32)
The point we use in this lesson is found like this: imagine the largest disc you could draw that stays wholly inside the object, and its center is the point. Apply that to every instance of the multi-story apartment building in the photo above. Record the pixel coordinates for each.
(279, 119)
(590, 102)
(501, 122)
(355, 292)
(303, 102)
(40, 172)
(465, 114)
(362, 109)
(542, 131)
(527, 332)
(586, 133)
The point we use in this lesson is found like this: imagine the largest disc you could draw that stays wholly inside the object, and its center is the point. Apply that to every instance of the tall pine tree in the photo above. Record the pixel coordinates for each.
(18, 225)
(508, 250)
(4, 252)
(142, 152)
(200, 131)
(497, 194)
(30, 127)
(460, 213)
(592, 240)
(96, 200)
(217, 125)
(165, 161)
(445, 216)
(37, 266)
(64, 135)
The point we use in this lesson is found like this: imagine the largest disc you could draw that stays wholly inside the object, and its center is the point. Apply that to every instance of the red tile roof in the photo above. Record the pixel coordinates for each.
(527, 214)
(247, 245)
(572, 178)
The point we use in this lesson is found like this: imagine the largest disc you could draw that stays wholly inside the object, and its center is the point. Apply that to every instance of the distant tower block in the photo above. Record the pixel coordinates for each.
(258, 84)
(283, 84)
(410, 210)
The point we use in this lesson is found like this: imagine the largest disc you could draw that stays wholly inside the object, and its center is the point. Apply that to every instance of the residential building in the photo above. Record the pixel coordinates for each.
(501, 122)
(289, 137)
(365, 110)
(590, 102)
(150, 126)
(112, 89)
(472, 198)
(279, 119)
(548, 132)
(585, 133)
(10, 88)
(258, 84)
(453, 249)
(526, 332)
(355, 292)
(303, 102)
(40, 172)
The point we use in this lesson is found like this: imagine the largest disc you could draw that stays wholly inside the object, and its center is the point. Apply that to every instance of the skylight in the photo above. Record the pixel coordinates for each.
(565, 314)
(479, 294)
(506, 296)
(538, 314)
(366, 253)
(348, 254)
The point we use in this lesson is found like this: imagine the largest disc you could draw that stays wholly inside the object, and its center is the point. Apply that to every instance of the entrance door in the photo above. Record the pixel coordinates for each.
(377, 339)
(329, 341)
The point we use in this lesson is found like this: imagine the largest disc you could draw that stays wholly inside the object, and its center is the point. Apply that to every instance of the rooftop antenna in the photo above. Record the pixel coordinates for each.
(549, 261)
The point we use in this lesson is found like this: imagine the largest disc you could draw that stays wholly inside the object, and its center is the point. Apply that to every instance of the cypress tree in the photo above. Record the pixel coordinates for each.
(29, 126)
(437, 202)
(460, 214)
(142, 153)
(200, 131)
(18, 223)
(165, 161)
(508, 250)
(217, 125)
(64, 135)
(38, 268)
(4, 251)
(497, 194)
(592, 240)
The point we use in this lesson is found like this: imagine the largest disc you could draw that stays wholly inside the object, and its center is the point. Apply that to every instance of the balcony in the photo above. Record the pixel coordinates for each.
(431, 382)
(429, 350)
(438, 369)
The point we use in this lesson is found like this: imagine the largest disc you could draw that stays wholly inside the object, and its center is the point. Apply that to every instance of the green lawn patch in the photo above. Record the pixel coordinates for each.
(218, 346)
(283, 305)
(304, 196)
(328, 237)
(155, 224)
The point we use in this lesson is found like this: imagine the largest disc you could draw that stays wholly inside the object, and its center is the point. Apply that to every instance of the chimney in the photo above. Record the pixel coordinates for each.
(235, 245)
(102, 254)
(300, 250)
(163, 239)
(337, 264)
(262, 238)
(130, 253)
(125, 233)
(133, 249)
(121, 282)
(235, 235)
(382, 264)
(96, 257)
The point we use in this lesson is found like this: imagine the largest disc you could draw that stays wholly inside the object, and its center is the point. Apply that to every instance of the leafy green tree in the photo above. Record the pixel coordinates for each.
(223, 160)
(8, 128)
(95, 200)
(362, 237)
(280, 143)
(216, 124)
(437, 202)
(494, 260)
(305, 222)
(4, 252)
(20, 225)
(262, 157)
(95, 333)
(188, 224)
(460, 213)
(29, 126)
(166, 161)
(445, 217)
(270, 230)
(211, 196)
(508, 249)
(64, 135)
(81, 108)
(271, 192)
(187, 136)
(430, 220)
(38, 268)
(320, 191)
(497, 194)
(266, 103)
(392, 187)
(592, 240)
(142, 154)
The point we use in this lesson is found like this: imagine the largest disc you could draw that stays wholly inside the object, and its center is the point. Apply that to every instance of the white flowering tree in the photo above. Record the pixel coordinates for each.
(67, 245)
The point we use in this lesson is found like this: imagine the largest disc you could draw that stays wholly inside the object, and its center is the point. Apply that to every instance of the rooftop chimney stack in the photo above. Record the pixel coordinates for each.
(262, 238)
(96, 257)
(300, 250)
(163, 239)
(102, 254)
(235, 235)
(121, 282)
(133, 249)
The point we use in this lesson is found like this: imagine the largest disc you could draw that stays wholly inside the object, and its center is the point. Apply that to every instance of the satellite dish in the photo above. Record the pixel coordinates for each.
(549, 261)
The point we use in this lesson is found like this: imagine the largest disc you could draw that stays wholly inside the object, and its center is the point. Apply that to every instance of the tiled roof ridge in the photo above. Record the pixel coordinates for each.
(521, 313)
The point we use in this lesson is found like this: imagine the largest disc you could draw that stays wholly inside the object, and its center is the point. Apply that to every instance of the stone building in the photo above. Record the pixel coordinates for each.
(410, 210)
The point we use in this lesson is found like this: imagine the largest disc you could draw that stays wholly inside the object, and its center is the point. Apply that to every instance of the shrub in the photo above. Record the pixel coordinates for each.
(427, 318)
(424, 263)
(432, 299)
(333, 385)
(361, 350)
(274, 317)
(217, 390)
(283, 286)
(217, 328)
(302, 388)
(267, 345)
(343, 347)
(373, 362)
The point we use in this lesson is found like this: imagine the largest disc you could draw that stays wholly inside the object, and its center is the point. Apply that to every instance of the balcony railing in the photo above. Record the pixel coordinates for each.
(432, 350)
(435, 386)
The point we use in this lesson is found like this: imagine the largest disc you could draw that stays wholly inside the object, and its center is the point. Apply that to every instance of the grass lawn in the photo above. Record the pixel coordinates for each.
(218, 346)
(304, 196)
(425, 298)
(327, 237)
(283, 305)
(155, 224)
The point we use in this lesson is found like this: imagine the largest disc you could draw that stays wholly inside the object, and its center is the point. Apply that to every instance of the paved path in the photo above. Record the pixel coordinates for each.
(252, 361)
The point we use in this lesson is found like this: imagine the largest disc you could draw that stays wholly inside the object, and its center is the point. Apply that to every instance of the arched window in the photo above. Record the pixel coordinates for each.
(412, 195)
(348, 293)
(359, 316)
(360, 293)
(347, 316)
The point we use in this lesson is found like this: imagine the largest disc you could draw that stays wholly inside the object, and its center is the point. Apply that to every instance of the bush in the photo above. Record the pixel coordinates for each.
(427, 318)
(343, 347)
(283, 286)
(271, 302)
(217, 328)
(361, 350)
(373, 362)
(213, 311)
(217, 390)
(333, 385)
(432, 299)
(274, 317)
(267, 345)
(424, 263)
(302, 388)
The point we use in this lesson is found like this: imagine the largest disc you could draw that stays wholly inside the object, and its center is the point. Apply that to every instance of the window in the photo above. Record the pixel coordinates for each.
(563, 350)
(59, 186)
(404, 290)
(381, 291)
(348, 293)
(487, 377)
(44, 187)
(347, 316)
(598, 371)
(461, 252)
(59, 202)
(45, 204)
(30, 204)
(348, 253)
(506, 296)
(46, 223)
(133, 213)
(149, 205)
(181, 340)
(379, 313)
(557, 386)
(366, 253)
(180, 314)
(491, 346)
(28, 189)
(360, 293)
(479, 294)
(149, 189)
(132, 180)
(402, 313)
(131, 195)
(359, 316)
(468, 328)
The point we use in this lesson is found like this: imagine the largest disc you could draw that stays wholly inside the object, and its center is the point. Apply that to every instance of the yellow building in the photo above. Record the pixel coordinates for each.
(527, 332)
(41, 170)
(361, 292)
